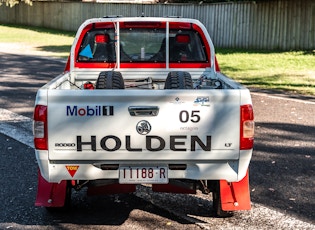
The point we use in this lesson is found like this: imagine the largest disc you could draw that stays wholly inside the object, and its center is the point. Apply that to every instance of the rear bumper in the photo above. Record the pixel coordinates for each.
(231, 171)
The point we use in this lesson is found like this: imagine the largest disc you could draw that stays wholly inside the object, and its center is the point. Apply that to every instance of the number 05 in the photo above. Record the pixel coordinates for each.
(193, 117)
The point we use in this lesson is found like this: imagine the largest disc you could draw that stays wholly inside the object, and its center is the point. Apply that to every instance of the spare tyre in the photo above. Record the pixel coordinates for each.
(110, 80)
(178, 80)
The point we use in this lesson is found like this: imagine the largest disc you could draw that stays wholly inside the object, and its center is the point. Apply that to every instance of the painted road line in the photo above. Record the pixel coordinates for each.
(17, 127)
(280, 97)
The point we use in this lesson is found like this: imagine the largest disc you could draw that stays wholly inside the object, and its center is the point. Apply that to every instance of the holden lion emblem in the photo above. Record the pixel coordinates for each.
(143, 127)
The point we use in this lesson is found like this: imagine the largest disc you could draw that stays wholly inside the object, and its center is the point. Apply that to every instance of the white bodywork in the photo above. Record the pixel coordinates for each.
(91, 128)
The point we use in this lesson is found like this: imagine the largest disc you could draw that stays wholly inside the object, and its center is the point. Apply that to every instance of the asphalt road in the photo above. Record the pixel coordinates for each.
(282, 169)
(281, 172)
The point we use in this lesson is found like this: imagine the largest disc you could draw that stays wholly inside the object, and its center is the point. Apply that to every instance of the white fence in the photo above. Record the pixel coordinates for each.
(281, 24)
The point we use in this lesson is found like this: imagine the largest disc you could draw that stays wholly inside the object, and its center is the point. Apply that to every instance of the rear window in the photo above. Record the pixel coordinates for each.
(98, 46)
(142, 45)
(186, 46)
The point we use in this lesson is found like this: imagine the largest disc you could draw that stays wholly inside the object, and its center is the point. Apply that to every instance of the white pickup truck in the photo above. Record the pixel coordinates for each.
(142, 101)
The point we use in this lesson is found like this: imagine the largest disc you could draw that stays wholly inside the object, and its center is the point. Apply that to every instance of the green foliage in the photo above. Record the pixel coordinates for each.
(12, 3)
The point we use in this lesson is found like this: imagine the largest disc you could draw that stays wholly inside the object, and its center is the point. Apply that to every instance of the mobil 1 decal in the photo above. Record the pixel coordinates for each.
(89, 110)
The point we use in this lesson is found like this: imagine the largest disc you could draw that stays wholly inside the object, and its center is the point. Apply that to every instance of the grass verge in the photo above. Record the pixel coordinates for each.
(292, 71)
(57, 43)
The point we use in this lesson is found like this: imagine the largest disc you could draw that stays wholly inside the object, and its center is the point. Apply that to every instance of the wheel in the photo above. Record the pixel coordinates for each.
(110, 80)
(178, 80)
(217, 208)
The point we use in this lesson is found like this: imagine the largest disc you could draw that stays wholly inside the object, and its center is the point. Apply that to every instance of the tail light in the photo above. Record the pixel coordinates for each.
(247, 127)
(40, 127)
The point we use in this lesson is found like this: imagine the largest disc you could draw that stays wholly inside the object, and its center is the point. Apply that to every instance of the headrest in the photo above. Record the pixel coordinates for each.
(101, 38)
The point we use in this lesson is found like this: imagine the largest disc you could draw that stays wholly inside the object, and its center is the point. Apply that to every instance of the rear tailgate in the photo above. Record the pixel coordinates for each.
(143, 124)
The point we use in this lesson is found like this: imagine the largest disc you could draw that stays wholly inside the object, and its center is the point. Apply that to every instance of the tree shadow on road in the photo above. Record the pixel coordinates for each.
(22, 76)
(282, 168)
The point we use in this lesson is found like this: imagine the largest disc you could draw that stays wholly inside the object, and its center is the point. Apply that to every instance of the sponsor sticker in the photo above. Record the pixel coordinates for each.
(64, 145)
(177, 101)
(89, 111)
(202, 101)
(72, 169)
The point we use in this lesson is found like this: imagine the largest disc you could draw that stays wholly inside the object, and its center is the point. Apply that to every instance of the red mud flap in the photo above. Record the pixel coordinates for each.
(50, 194)
(235, 195)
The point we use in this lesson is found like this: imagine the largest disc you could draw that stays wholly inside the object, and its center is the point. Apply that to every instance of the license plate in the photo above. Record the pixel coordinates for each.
(141, 175)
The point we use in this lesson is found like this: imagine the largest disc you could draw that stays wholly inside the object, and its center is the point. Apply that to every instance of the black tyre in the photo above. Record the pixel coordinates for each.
(217, 207)
(178, 80)
(110, 80)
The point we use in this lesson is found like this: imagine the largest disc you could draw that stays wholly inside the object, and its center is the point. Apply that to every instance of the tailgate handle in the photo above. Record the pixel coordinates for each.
(143, 110)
